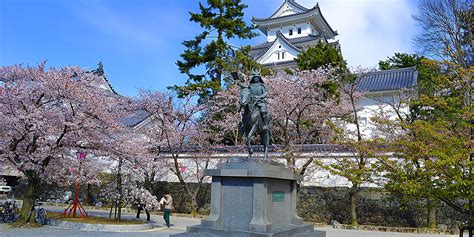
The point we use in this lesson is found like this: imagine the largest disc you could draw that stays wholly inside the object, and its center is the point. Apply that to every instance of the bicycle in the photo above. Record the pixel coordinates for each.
(10, 211)
(41, 216)
(39, 213)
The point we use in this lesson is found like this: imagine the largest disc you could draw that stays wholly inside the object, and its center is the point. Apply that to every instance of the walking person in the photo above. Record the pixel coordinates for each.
(167, 201)
(143, 207)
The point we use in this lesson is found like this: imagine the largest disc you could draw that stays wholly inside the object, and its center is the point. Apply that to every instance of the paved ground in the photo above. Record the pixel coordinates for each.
(178, 225)
(330, 232)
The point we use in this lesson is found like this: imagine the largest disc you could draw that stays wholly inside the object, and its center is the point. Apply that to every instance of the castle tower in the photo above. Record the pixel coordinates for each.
(290, 30)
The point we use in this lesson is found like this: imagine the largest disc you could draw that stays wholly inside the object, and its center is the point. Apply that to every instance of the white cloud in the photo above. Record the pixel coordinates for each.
(369, 30)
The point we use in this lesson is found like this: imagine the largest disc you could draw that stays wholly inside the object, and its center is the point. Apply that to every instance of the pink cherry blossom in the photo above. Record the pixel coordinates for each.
(48, 114)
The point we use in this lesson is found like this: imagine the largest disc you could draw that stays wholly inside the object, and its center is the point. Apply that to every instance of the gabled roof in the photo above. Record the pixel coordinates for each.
(395, 79)
(313, 13)
(291, 3)
(282, 38)
(99, 72)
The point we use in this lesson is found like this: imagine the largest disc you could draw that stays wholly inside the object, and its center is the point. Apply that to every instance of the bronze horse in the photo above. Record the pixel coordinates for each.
(252, 122)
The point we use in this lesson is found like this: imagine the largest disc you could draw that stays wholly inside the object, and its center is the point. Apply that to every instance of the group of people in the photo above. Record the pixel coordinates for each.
(166, 203)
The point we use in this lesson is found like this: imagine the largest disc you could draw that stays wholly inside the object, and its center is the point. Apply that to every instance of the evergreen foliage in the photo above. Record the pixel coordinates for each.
(222, 20)
(321, 55)
(400, 60)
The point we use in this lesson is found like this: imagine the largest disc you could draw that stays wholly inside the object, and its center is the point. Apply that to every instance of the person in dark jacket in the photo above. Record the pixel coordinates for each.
(140, 208)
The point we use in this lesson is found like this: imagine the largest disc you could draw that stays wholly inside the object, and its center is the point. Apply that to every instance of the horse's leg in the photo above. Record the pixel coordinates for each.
(249, 138)
(249, 142)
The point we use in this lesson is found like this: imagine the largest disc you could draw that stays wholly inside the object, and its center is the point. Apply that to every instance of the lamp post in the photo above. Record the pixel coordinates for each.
(76, 204)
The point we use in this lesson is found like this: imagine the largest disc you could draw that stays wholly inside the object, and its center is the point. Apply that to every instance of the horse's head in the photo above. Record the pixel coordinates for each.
(245, 96)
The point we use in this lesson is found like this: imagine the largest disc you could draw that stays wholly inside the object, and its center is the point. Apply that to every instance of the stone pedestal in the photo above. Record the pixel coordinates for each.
(253, 198)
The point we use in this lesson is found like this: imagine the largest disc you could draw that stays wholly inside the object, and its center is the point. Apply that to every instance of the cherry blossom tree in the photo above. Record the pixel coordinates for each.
(173, 126)
(222, 117)
(128, 187)
(360, 169)
(47, 114)
(128, 152)
(301, 104)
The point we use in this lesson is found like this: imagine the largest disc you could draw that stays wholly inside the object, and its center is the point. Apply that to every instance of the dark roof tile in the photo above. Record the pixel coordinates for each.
(271, 148)
(138, 117)
(298, 40)
(395, 79)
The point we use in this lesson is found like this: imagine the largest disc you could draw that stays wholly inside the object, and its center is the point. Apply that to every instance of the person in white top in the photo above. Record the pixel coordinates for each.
(167, 201)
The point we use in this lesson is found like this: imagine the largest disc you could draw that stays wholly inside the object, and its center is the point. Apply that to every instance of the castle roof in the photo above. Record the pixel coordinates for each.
(99, 72)
(293, 41)
(386, 80)
(280, 38)
(290, 4)
(299, 14)
(136, 118)
(283, 64)
(296, 44)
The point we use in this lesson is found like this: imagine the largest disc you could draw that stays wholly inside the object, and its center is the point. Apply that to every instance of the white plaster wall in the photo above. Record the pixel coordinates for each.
(315, 175)
(285, 30)
(285, 10)
(271, 56)
(376, 105)
(271, 34)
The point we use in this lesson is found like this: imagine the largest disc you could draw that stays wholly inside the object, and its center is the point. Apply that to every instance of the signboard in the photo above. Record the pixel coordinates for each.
(278, 196)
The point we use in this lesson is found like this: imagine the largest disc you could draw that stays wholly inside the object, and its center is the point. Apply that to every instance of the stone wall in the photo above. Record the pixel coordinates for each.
(374, 207)
(323, 204)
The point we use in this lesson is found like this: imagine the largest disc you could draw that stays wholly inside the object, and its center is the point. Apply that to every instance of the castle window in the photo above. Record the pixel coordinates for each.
(299, 30)
(278, 55)
(282, 55)
(290, 31)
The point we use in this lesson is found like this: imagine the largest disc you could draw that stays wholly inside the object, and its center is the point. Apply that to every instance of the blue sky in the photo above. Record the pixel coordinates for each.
(139, 41)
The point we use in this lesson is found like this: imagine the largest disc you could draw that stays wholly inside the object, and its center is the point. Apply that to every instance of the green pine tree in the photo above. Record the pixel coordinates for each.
(210, 52)
(321, 55)
(400, 60)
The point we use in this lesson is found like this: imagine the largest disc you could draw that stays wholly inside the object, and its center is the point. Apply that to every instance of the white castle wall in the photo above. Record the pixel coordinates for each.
(306, 29)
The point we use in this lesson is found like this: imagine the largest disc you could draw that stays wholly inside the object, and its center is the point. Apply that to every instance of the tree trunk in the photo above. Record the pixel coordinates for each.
(32, 193)
(194, 205)
(353, 193)
(119, 189)
(119, 209)
(111, 209)
(88, 196)
(470, 222)
(431, 218)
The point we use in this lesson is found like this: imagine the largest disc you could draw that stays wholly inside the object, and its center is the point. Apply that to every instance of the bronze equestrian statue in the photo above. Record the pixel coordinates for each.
(255, 118)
